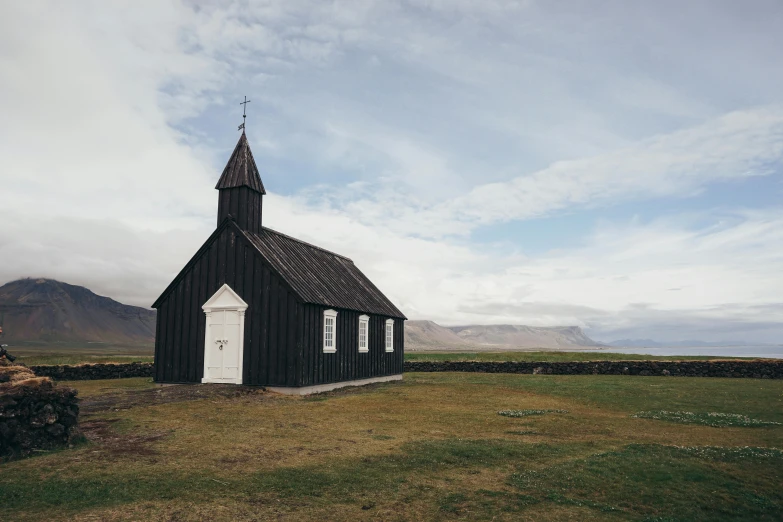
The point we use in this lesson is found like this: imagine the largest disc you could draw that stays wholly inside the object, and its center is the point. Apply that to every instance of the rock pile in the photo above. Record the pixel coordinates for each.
(35, 414)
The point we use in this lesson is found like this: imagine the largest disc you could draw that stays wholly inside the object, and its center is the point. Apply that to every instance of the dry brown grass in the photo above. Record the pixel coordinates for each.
(11, 373)
(215, 454)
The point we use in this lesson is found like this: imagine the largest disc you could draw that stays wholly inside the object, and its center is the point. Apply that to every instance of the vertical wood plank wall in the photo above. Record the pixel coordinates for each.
(347, 363)
(271, 321)
(244, 205)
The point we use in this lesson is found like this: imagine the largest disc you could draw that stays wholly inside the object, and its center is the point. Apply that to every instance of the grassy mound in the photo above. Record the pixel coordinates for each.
(35, 414)
(10, 372)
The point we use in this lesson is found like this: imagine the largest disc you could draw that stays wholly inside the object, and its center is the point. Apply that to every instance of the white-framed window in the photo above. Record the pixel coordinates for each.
(389, 335)
(364, 333)
(330, 331)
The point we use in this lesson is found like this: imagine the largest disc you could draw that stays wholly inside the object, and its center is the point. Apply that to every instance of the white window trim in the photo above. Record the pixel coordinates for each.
(364, 319)
(389, 330)
(333, 315)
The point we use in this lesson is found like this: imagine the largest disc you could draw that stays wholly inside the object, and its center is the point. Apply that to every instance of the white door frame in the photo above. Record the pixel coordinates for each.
(225, 299)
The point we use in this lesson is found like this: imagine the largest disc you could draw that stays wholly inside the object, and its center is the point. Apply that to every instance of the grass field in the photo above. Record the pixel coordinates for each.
(79, 353)
(432, 447)
(102, 353)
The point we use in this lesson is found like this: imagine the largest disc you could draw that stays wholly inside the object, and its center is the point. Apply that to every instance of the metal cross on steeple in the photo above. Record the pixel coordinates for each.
(244, 114)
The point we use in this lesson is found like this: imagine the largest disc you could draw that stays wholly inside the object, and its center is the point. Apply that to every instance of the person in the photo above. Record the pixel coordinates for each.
(4, 352)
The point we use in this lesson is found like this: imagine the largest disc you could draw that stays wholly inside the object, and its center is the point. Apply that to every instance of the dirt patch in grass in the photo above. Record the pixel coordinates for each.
(164, 395)
(109, 442)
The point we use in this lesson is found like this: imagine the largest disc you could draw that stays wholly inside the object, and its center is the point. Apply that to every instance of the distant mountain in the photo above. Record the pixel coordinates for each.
(51, 311)
(427, 335)
(525, 336)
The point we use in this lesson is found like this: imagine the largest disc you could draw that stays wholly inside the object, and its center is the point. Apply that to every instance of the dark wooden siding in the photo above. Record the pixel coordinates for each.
(347, 363)
(271, 320)
(244, 205)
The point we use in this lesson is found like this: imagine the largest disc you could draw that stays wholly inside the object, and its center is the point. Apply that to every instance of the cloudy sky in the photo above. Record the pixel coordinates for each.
(614, 165)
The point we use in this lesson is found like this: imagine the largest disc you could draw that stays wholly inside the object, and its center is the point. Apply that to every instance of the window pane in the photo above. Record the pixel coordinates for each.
(329, 332)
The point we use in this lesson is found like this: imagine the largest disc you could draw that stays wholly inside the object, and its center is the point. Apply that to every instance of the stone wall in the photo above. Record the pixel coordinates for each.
(91, 372)
(36, 415)
(757, 369)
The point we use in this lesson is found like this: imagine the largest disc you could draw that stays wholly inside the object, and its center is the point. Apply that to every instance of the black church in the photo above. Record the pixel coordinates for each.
(258, 307)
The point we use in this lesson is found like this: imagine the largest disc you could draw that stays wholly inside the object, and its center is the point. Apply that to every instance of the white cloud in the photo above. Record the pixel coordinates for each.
(130, 265)
(443, 117)
(678, 269)
(734, 146)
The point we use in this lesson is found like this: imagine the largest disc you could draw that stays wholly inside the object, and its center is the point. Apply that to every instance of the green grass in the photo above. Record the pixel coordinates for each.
(80, 353)
(55, 359)
(344, 481)
(102, 387)
(759, 398)
(432, 447)
(551, 356)
(29, 493)
(352, 479)
(33, 354)
(655, 481)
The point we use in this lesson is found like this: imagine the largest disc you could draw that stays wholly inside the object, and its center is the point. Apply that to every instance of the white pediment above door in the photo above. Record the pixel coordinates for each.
(225, 299)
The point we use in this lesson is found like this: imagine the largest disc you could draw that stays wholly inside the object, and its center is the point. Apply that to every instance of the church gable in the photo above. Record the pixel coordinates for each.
(225, 297)
(211, 256)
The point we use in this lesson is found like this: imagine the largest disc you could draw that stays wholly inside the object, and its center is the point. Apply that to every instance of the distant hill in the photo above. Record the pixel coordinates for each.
(51, 311)
(46, 310)
(427, 335)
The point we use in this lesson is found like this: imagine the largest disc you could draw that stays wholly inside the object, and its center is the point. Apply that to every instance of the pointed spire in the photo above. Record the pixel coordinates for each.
(241, 170)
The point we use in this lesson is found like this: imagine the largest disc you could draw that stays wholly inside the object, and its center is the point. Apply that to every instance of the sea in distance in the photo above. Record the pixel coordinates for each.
(763, 351)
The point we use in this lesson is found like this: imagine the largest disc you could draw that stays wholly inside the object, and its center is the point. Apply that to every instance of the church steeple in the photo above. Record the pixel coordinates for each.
(241, 189)
(241, 169)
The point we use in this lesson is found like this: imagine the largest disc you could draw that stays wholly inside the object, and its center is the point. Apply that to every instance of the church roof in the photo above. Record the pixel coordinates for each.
(241, 170)
(319, 276)
(315, 275)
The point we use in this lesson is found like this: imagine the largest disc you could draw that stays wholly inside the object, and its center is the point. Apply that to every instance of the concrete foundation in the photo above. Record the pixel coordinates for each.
(320, 388)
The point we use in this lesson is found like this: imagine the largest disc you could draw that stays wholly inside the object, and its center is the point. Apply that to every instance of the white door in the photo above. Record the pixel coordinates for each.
(223, 351)
(223, 345)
